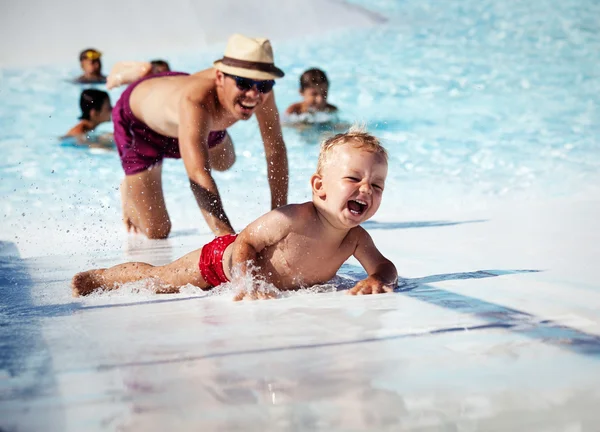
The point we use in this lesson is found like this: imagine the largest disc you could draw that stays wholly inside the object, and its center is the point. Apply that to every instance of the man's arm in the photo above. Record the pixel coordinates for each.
(275, 151)
(383, 276)
(194, 126)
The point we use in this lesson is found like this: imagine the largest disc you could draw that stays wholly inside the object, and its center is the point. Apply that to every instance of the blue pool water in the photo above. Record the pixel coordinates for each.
(483, 105)
(476, 101)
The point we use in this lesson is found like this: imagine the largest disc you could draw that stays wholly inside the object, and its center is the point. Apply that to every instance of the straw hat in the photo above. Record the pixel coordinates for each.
(249, 58)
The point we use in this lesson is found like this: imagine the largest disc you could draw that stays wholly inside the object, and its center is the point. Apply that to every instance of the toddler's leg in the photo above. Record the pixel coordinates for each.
(170, 277)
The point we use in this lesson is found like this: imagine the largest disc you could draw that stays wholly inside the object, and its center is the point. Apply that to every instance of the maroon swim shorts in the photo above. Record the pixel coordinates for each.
(211, 260)
(139, 146)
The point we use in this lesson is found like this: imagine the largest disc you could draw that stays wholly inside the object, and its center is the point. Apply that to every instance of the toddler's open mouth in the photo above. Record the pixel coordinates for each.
(357, 207)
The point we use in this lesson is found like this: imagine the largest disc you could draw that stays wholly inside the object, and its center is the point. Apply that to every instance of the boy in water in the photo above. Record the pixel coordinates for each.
(293, 246)
(314, 86)
(95, 109)
(91, 66)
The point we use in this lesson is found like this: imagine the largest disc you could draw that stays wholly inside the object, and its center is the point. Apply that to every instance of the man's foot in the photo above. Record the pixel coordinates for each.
(85, 283)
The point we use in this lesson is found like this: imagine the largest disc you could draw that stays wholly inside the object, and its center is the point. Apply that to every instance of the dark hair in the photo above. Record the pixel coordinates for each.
(313, 78)
(159, 63)
(91, 99)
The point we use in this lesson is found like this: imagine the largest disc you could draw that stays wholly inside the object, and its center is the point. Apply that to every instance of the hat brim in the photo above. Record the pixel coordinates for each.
(249, 73)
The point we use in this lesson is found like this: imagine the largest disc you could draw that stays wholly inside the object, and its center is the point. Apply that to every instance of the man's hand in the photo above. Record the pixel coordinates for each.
(370, 285)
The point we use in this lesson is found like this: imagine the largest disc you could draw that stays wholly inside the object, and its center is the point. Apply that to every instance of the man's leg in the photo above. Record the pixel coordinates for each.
(144, 208)
(222, 156)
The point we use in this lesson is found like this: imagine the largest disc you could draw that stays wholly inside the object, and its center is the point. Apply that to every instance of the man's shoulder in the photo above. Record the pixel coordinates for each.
(204, 78)
(199, 85)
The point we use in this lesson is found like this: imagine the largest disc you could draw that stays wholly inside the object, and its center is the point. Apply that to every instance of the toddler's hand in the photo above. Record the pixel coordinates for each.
(370, 285)
(256, 294)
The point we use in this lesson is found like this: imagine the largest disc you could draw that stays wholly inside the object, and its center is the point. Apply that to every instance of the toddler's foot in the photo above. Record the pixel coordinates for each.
(85, 283)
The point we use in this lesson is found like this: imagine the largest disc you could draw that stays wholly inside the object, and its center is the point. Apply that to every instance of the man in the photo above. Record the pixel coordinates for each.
(178, 115)
(91, 66)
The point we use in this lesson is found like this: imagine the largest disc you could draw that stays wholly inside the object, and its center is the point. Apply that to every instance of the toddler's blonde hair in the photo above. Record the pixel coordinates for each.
(356, 135)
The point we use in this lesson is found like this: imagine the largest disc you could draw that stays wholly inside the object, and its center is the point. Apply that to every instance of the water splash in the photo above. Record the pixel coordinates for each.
(315, 117)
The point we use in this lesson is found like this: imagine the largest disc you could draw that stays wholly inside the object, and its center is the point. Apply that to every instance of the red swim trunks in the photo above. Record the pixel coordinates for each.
(211, 260)
(139, 146)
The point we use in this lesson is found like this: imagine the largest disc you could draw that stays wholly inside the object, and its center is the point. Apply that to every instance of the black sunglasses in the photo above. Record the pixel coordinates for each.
(246, 84)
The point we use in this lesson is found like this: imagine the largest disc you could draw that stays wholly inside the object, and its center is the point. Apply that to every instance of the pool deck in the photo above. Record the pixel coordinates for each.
(495, 326)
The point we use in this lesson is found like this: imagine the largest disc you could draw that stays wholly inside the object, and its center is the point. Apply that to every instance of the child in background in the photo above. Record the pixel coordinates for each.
(91, 66)
(95, 109)
(159, 66)
(314, 86)
(294, 246)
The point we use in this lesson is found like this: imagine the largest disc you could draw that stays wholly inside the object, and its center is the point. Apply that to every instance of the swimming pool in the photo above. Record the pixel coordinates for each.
(482, 104)
(475, 101)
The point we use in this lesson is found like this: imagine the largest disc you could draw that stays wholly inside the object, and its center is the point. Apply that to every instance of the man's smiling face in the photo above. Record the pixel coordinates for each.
(240, 102)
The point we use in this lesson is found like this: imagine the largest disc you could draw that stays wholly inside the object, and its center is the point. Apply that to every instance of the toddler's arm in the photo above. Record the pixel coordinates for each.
(383, 276)
(263, 232)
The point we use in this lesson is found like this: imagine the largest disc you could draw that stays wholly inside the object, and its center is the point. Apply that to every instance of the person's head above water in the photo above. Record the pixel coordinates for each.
(91, 63)
(350, 179)
(95, 109)
(313, 78)
(314, 86)
(160, 66)
(95, 106)
(246, 74)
